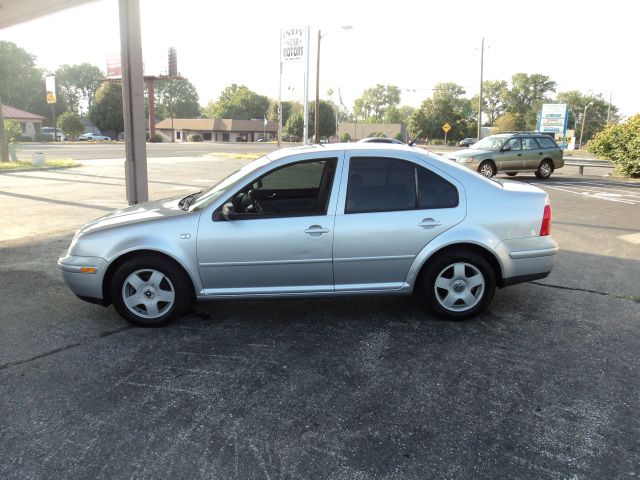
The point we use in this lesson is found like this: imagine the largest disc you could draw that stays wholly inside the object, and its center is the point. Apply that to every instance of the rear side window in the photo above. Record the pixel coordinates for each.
(546, 142)
(434, 191)
(389, 184)
(529, 143)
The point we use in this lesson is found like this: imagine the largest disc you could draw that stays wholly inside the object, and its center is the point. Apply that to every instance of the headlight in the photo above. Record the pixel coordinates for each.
(465, 160)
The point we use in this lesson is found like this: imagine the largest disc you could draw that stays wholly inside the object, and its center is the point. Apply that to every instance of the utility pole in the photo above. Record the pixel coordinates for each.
(584, 120)
(4, 147)
(480, 96)
(609, 109)
(317, 108)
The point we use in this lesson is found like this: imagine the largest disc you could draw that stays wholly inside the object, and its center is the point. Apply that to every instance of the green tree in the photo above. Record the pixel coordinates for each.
(526, 96)
(507, 122)
(493, 95)
(70, 124)
(295, 125)
(621, 144)
(239, 103)
(287, 109)
(374, 102)
(177, 96)
(327, 119)
(106, 108)
(596, 113)
(447, 105)
(21, 82)
(77, 85)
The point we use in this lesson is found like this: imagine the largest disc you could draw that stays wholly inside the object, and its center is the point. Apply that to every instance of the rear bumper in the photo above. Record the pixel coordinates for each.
(526, 259)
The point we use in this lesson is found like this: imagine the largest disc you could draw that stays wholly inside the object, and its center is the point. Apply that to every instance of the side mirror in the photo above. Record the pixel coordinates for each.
(506, 148)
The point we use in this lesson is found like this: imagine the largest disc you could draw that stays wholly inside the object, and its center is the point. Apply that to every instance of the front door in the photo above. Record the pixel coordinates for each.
(278, 235)
(510, 157)
(392, 209)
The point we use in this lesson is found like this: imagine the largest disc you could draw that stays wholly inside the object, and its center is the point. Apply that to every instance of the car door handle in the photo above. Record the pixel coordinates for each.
(316, 230)
(429, 223)
(272, 195)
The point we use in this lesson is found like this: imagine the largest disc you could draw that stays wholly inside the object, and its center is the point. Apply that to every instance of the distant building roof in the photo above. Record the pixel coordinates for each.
(217, 125)
(12, 113)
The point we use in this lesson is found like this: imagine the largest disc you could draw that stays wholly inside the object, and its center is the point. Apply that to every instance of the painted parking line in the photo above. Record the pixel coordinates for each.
(619, 193)
(631, 238)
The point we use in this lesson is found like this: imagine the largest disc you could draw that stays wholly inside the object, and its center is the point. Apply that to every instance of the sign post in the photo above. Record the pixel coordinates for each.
(50, 87)
(445, 128)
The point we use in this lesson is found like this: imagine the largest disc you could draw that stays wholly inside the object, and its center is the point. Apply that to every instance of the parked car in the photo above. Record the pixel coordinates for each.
(93, 136)
(329, 221)
(54, 132)
(512, 153)
(467, 142)
(380, 140)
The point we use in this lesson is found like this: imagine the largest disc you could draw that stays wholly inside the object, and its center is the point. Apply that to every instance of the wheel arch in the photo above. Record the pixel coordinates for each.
(117, 262)
(484, 252)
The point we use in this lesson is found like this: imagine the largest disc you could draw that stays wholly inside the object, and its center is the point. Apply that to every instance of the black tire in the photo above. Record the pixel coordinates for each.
(545, 169)
(164, 293)
(442, 267)
(512, 174)
(487, 169)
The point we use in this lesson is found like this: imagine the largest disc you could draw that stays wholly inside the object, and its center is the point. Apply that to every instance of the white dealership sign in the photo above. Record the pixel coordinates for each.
(553, 118)
(293, 45)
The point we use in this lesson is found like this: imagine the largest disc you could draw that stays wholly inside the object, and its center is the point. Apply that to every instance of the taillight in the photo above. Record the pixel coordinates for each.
(545, 229)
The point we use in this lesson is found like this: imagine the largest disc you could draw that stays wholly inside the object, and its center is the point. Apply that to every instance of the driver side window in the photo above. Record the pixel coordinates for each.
(515, 144)
(298, 189)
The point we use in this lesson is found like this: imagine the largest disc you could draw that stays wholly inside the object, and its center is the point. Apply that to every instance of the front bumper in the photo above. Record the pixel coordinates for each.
(85, 284)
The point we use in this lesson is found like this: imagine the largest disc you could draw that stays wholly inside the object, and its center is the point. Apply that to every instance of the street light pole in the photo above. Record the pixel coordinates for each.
(480, 96)
(316, 117)
(584, 120)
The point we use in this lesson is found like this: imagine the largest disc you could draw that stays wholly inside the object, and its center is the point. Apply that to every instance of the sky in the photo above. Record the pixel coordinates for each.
(587, 46)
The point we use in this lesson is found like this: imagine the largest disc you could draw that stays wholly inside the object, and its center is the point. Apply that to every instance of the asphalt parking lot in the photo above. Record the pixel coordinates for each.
(543, 385)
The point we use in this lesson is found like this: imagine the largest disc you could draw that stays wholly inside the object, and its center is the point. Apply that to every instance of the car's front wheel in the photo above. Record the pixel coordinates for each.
(149, 291)
(545, 169)
(458, 285)
(487, 169)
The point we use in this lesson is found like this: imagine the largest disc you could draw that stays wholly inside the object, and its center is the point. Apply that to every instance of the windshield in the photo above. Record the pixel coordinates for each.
(490, 143)
(208, 196)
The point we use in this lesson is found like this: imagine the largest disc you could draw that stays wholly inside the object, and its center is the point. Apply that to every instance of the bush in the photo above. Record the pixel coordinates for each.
(157, 138)
(399, 137)
(43, 137)
(437, 141)
(345, 137)
(196, 137)
(621, 144)
(70, 124)
(13, 131)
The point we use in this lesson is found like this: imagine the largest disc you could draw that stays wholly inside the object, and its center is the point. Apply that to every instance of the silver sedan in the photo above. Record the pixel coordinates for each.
(335, 220)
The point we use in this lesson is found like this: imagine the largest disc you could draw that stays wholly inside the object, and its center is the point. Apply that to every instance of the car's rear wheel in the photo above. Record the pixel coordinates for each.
(150, 291)
(458, 285)
(487, 169)
(545, 169)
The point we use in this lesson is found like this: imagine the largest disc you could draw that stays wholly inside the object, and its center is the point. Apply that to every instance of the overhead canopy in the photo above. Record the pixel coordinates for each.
(13, 12)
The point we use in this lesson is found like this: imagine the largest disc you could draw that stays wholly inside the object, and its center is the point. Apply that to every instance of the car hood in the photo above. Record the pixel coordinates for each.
(469, 152)
(142, 212)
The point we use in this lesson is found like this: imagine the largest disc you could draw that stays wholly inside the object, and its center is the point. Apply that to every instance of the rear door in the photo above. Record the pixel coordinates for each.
(389, 211)
(532, 153)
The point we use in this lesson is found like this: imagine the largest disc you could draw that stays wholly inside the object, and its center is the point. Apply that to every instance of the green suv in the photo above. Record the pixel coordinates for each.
(511, 153)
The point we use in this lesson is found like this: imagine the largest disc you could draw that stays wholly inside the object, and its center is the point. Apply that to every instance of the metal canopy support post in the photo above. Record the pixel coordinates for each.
(133, 102)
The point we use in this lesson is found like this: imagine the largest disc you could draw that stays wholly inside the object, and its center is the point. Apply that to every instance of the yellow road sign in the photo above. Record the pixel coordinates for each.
(51, 97)
(446, 127)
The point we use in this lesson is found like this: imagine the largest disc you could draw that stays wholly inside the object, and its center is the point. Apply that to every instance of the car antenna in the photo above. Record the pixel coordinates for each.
(412, 142)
